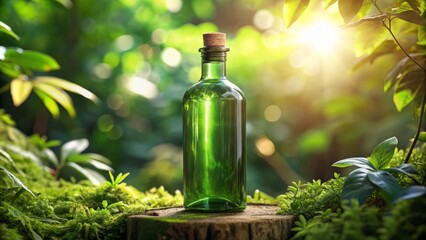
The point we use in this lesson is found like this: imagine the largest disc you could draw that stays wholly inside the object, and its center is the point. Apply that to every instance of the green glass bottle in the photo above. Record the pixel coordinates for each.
(214, 132)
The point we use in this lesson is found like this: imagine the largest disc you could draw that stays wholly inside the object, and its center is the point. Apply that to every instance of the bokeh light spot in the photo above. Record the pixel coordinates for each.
(272, 113)
(102, 71)
(105, 123)
(263, 19)
(171, 57)
(158, 36)
(124, 42)
(173, 5)
(265, 146)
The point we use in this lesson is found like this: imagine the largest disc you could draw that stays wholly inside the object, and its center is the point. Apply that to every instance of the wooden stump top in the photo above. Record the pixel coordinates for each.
(256, 222)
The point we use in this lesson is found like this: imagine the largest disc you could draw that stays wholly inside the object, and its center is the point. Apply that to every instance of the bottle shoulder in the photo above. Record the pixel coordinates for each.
(214, 88)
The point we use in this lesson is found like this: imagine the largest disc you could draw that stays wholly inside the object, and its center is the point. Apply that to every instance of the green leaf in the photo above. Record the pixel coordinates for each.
(349, 8)
(410, 192)
(20, 89)
(373, 18)
(99, 158)
(9, 69)
(394, 73)
(100, 165)
(407, 87)
(293, 9)
(383, 153)
(328, 3)
(359, 162)
(94, 177)
(86, 158)
(68, 86)
(16, 181)
(50, 155)
(73, 147)
(31, 59)
(411, 16)
(7, 30)
(357, 186)
(386, 47)
(57, 94)
(405, 168)
(49, 103)
(386, 183)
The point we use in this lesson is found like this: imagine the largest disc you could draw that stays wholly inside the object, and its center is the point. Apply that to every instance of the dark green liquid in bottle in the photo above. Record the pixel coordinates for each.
(214, 139)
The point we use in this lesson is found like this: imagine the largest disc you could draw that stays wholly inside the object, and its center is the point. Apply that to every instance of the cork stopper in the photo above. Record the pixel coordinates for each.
(214, 39)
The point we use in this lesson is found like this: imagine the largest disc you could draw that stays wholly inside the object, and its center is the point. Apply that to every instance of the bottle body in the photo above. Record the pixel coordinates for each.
(214, 116)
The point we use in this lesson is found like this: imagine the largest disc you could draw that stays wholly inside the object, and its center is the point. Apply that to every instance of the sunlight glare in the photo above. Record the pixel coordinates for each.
(322, 36)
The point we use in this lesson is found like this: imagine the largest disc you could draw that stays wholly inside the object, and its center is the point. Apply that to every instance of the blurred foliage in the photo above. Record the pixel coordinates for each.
(305, 107)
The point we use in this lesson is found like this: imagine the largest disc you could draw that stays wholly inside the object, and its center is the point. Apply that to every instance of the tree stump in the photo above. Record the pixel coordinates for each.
(257, 222)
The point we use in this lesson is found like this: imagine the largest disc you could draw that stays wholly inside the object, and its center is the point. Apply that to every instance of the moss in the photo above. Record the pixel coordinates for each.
(63, 209)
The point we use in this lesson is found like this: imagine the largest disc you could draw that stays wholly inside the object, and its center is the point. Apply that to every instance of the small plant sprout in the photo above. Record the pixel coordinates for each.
(117, 180)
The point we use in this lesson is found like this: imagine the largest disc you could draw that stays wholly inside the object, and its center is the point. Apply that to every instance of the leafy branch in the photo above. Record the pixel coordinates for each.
(19, 64)
(408, 76)
(423, 103)
(373, 173)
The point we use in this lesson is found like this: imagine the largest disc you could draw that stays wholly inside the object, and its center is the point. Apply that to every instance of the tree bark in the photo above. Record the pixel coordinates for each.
(257, 222)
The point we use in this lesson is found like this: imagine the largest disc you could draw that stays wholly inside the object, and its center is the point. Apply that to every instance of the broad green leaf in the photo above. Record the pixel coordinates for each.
(100, 165)
(394, 73)
(386, 47)
(73, 147)
(410, 192)
(94, 177)
(373, 18)
(50, 155)
(49, 103)
(405, 168)
(57, 94)
(99, 158)
(369, 35)
(20, 89)
(68, 86)
(383, 153)
(359, 162)
(16, 181)
(407, 87)
(422, 137)
(412, 17)
(31, 59)
(386, 183)
(293, 9)
(9, 69)
(349, 8)
(328, 3)
(357, 186)
(86, 158)
(7, 30)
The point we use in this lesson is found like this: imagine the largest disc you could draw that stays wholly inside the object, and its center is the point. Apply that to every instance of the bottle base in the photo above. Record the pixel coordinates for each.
(215, 205)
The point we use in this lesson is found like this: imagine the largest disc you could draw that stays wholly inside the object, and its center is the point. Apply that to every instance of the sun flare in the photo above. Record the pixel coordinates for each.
(321, 36)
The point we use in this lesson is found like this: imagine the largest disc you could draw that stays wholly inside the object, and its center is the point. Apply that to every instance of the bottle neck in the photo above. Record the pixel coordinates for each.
(213, 70)
(213, 62)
